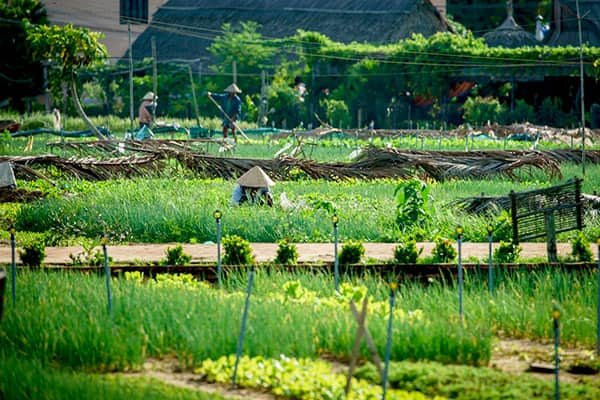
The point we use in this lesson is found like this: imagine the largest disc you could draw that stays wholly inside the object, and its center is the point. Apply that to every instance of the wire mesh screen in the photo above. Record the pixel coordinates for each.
(531, 208)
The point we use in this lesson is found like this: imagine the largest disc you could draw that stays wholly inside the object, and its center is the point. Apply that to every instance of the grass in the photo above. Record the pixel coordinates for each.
(466, 383)
(521, 306)
(29, 379)
(59, 334)
(62, 317)
(180, 210)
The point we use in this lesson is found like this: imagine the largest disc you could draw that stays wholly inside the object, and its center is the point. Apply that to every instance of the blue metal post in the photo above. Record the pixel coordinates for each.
(556, 317)
(598, 306)
(107, 273)
(243, 328)
(490, 261)
(217, 215)
(460, 273)
(13, 265)
(388, 344)
(336, 268)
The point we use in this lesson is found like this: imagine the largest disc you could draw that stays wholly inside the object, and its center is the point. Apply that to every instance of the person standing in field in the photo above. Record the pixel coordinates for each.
(147, 110)
(231, 104)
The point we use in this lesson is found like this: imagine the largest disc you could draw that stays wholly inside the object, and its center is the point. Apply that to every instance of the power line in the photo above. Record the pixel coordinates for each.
(181, 29)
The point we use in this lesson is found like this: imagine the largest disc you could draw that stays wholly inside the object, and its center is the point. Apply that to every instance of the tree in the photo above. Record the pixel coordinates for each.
(20, 76)
(245, 46)
(69, 49)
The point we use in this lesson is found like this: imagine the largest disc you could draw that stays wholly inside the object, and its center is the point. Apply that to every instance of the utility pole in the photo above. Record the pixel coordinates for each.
(130, 78)
(46, 64)
(154, 75)
(581, 88)
(234, 67)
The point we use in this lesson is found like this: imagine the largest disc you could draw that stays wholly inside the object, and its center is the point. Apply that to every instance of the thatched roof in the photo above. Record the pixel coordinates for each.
(185, 28)
(509, 35)
(566, 31)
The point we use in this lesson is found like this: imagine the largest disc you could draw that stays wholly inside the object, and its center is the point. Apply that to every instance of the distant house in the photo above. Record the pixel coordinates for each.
(565, 27)
(184, 29)
(534, 84)
(99, 16)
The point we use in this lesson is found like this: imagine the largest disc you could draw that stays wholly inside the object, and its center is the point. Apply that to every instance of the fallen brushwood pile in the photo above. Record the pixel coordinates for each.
(88, 168)
(111, 147)
(442, 165)
(381, 163)
(522, 131)
(373, 163)
(284, 167)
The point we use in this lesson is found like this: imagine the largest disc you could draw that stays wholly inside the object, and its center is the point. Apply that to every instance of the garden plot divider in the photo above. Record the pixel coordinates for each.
(546, 212)
(424, 273)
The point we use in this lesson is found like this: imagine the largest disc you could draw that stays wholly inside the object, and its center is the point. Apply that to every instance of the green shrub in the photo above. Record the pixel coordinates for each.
(287, 253)
(337, 112)
(523, 112)
(443, 251)
(237, 251)
(176, 256)
(32, 254)
(479, 110)
(352, 252)
(503, 227)
(507, 252)
(580, 248)
(412, 210)
(407, 252)
(550, 112)
(90, 255)
(36, 123)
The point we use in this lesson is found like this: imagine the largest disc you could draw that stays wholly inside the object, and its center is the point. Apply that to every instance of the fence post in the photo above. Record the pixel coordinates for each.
(550, 236)
(13, 265)
(107, 273)
(556, 318)
(459, 232)
(388, 344)
(217, 214)
(240, 343)
(598, 304)
(336, 268)
(490, 230)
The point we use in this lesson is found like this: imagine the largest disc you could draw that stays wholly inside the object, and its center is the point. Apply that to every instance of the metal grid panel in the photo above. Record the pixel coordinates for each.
(529, 210)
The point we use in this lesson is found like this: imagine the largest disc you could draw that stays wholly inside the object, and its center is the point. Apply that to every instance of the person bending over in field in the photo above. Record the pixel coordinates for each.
(253, 187)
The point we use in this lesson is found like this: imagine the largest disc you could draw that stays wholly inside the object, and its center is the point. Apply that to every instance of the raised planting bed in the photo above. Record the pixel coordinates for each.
(419, 272)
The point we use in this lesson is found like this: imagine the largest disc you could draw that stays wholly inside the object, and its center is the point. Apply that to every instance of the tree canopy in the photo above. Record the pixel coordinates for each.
(68, 49)
(20, 76)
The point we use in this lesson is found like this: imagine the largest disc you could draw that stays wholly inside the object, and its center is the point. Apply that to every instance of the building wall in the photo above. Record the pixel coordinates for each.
(100, 16)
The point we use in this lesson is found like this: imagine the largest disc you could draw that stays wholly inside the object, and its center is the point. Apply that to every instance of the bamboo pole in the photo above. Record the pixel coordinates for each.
(237, 127)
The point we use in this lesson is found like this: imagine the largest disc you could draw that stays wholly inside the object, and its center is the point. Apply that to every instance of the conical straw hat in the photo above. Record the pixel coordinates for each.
(149, 96)
(255, 177)
(233, 89)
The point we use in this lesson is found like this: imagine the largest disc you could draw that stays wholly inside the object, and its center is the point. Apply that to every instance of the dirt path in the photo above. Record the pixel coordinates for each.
(308, 252)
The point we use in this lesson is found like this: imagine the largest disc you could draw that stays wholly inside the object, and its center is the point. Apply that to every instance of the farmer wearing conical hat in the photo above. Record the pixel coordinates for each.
(231, 104)
(147, 110)
(254, 187)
